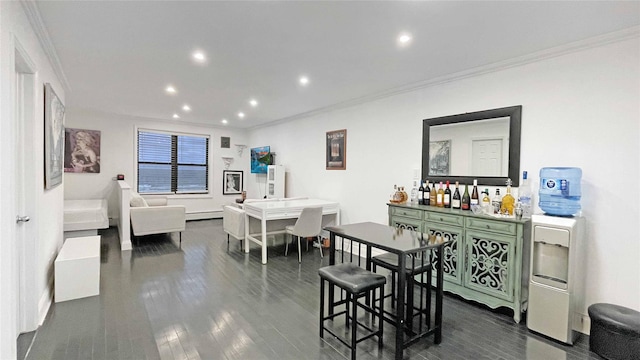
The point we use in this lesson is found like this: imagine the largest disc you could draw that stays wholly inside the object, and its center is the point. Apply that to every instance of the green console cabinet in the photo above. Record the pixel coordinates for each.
(486, 258)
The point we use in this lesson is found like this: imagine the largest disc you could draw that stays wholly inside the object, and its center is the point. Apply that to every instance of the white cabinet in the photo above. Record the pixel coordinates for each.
(275, 182)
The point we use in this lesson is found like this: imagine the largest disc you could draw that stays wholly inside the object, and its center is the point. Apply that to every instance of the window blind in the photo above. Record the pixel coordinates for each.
(170, 163)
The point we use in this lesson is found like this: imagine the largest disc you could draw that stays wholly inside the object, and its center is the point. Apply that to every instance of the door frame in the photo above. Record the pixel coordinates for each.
(24, 117)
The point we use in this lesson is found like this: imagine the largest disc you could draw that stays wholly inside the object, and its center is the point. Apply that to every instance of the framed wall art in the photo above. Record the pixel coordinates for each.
(82, 151)
(337, 150)
(439, 157)
(232, 182)
(53, 138)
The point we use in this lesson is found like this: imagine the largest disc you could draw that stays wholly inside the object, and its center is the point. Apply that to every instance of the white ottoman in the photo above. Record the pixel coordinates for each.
(77, 268)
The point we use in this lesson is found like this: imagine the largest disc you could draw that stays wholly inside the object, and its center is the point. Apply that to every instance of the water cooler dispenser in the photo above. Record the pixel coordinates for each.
(553, 281)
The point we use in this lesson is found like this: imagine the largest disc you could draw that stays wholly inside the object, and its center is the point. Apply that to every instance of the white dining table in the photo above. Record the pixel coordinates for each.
(278, 210)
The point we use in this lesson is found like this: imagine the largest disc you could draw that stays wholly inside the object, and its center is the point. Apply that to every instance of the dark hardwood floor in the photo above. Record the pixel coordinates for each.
(202, 301)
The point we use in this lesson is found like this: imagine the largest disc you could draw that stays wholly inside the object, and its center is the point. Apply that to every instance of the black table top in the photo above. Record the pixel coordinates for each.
(386, 237)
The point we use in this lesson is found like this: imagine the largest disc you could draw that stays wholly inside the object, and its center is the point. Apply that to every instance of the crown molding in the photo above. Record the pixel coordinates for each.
(122, 116)
(576, 46)
(33, 14)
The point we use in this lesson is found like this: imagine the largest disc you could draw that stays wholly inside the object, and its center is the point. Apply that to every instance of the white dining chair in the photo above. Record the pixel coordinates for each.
(309, 224)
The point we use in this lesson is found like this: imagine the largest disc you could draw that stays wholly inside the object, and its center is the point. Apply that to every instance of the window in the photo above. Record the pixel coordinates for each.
(169, 163)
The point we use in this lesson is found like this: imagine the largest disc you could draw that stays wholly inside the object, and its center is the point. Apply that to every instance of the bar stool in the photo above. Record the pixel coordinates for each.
(356, 282)
(413, 266)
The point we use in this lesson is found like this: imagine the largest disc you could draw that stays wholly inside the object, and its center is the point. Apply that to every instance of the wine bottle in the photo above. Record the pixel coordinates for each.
(427, 194)
(433, 195)
(455, 202)
(421, 194)
(474, 193)
(466, 199)
(440, 196)
(447, 196)
(486, 202)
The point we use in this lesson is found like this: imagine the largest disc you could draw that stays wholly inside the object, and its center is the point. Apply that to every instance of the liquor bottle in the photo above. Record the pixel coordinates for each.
(474, 193)
(427, 194)
(486, 202)
(421, 194)
(447, 196)
(508, 201)
(440, 196)
(525, 196)
(414, 193)
(395, 196)
(496, 202)
(466, 199)
(433, 195)
(455, 201)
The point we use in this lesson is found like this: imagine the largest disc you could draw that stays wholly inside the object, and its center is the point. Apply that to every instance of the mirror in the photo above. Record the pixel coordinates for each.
(483, 145)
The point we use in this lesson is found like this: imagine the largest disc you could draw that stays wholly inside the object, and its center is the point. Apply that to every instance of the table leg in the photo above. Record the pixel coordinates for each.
(439, 294)
(368, 267)
(400, 306)
(264, 240)
(246, 233)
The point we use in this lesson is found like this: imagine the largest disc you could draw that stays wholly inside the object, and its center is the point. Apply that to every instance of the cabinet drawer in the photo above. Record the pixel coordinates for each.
(444, 218)
(503, 227)
(410, 213)
(406, 223)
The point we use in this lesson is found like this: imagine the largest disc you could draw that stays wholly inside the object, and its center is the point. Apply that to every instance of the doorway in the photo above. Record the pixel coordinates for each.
(486, 157)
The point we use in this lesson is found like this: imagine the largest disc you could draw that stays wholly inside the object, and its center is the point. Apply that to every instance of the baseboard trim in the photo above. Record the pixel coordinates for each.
(44, 304)
(582, 323)
(202, 215)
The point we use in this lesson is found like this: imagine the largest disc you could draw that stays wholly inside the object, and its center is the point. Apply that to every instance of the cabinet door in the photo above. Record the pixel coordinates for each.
(490, 263)
(406, 223)
(451, 263)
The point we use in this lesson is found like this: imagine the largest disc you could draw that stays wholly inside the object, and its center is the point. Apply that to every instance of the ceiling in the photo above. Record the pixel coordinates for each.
(119, 56)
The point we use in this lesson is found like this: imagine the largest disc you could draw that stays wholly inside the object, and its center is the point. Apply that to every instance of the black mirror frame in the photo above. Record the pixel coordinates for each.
(515, 115)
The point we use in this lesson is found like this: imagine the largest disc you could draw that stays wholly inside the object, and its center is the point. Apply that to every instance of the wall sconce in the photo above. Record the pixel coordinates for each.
(240, 148)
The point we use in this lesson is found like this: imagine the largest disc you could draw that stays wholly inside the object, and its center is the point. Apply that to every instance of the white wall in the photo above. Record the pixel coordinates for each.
(46, 222)
(580, 109)
(118, 156)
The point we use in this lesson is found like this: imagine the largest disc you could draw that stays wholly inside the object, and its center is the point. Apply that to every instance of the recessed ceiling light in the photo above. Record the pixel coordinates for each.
(404, 39)
(241, 115)
(186, 108)
(176, 116)
(170, 89)
(253, 102)
(224, 121)
(199, 56)
(304, 80)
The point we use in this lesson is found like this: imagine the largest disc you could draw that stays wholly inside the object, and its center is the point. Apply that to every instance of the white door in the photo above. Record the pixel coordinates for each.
(487, 157)
(25, 183)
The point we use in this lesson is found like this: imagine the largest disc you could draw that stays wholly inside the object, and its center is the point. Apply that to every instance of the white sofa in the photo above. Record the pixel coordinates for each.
(154, 216)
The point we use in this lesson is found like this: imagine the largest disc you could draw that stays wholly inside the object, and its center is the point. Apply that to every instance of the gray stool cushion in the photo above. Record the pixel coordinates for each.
(351, 277)
(390, 261)
(615, 332)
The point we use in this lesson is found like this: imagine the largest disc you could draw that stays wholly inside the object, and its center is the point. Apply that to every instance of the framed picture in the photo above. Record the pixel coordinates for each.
(53, 138)
(232, 182)
(81, 151)
(337, 150)
(439, 157)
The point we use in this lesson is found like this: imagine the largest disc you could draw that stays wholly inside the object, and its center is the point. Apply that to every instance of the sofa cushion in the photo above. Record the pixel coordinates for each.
(137, 200)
